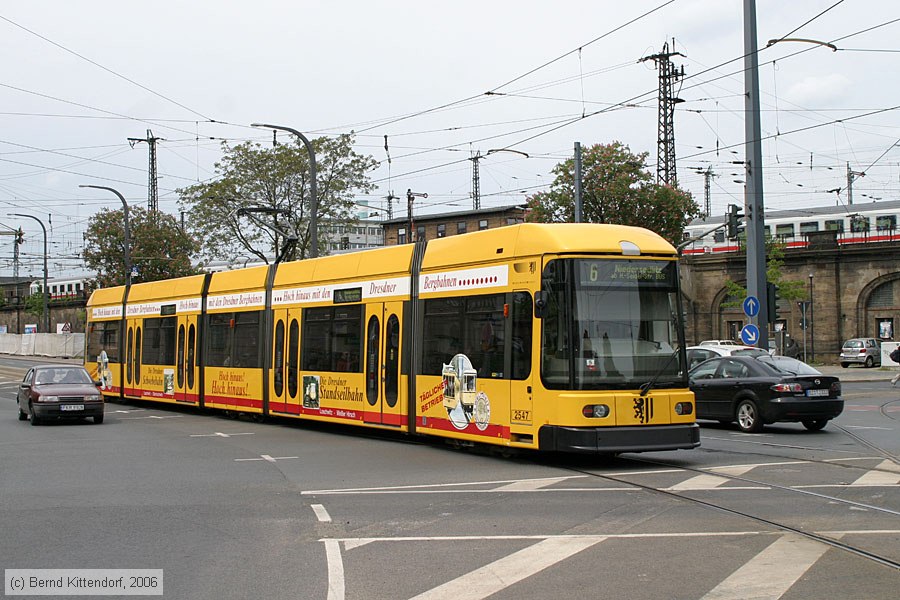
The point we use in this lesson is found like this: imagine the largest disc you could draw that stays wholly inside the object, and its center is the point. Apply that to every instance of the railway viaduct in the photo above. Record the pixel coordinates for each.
(854, 288)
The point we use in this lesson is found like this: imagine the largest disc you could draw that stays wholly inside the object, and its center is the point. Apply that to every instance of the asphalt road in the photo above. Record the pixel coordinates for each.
(237, 509)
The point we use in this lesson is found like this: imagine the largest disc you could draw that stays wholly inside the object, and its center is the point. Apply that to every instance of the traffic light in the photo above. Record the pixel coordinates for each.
(772, 301)
(733, 220)
(20, 237)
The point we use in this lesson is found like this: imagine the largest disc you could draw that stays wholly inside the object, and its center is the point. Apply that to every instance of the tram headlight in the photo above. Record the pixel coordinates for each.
(683, 408)
(595, 411)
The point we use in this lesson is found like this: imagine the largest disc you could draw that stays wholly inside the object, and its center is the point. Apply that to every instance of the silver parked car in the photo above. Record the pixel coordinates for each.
(863, 351)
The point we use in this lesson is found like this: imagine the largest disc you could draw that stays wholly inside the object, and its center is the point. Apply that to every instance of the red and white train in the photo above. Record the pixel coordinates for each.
(62, 289)
(853, 224)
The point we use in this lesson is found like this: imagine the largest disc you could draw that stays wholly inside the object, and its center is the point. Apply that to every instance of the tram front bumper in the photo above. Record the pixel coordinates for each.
(603, 440)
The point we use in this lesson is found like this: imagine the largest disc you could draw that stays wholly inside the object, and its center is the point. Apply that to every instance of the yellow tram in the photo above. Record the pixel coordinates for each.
(560, 337)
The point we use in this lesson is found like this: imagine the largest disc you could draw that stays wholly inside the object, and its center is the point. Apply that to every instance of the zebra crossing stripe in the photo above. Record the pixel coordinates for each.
(887, 473)
(511, 569)
(772, 572)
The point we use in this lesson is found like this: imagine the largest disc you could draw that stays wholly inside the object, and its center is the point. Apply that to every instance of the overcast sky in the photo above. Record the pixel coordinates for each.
(79, 78)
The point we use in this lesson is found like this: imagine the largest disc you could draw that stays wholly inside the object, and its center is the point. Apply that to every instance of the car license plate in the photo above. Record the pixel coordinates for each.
(71, 407)
(816, 392)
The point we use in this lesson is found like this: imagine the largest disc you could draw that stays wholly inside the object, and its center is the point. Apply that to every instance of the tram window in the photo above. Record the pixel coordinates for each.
(521, 335)
(809, 227)
(219, 354)
(278, 359)
(104, 335)
(293, 356)
(234, 340)
(192, 336)
(481, 322)
(886, 222)
(373, 368)
(246, 340)
(179, 371)
(332, 339)
(158, 347)
(392, 360)
(834, 225)
(443, 324)
(137, 355)
(129, 354)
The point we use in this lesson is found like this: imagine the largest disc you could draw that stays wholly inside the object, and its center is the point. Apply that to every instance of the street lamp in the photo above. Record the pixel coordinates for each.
(46, 291)
(127, 227)
(314, 200)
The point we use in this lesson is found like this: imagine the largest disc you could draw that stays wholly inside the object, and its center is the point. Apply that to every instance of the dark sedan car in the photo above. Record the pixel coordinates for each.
(757, 390)
(58, 391)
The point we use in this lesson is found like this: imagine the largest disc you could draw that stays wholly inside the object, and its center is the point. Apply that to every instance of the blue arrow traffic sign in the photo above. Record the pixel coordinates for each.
(750, 334)
(751, 306)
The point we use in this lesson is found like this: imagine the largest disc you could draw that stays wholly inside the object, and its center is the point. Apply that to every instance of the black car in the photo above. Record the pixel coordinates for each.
(58, 392)
(755, 390)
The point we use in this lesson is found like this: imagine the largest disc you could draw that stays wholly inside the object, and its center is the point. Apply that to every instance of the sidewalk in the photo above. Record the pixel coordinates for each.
(854, 373)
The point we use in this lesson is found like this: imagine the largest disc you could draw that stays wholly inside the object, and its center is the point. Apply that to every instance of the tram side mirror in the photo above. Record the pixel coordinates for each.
(541, 300)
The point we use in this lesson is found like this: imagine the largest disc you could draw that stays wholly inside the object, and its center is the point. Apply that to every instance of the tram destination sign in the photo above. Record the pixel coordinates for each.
(347, 295)
(646, 273)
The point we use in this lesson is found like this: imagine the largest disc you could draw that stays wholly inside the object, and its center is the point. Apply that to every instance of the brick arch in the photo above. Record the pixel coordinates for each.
(862, 300)
(715, 310)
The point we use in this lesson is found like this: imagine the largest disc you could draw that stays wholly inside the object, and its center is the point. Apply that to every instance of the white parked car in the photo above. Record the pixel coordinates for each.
(719, 343)
(702, 353)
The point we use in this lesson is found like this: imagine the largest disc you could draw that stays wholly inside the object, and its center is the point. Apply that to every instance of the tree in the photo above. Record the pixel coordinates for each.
(159, 248)
(274, 179)
(616, 188)
(788, 289)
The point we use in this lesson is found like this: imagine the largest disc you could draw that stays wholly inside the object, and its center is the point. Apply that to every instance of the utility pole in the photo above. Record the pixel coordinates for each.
(578, 199)
(753, 190)
(665, 142)
(18, 239)
(410, 195)
(707, 178)
(390, 207)
(851, 176)
(476, 181)
(152, 189)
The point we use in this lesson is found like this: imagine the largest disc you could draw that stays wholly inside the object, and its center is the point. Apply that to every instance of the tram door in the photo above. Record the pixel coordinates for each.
(133, 357)
(284, 388)
(186, 361)
(382, 367)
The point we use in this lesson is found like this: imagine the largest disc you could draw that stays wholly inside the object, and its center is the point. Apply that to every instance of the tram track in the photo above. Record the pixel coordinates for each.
(835, 543)
(866, 443)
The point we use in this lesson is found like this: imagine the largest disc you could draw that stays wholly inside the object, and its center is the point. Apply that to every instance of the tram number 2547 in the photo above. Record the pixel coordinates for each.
(521, 416)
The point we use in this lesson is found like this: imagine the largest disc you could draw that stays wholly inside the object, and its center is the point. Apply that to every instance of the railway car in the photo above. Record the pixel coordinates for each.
(551, 337)
(853, 224)
(62, 289)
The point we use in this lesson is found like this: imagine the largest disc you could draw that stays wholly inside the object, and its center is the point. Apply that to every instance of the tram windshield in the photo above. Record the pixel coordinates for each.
(611, 324)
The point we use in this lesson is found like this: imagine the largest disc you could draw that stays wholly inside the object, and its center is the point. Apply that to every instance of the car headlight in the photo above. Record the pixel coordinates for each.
(48, 399)
(93, 398)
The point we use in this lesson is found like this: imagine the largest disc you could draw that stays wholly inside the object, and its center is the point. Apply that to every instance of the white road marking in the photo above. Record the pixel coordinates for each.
(511, 569)
(864, 427)
(152, 417)
(335, 570)
(321, 514)
(772, 572)
(707, 482)
(218, 434)
(265, 457)
(529, 485)
(435, 485)
(888, 474)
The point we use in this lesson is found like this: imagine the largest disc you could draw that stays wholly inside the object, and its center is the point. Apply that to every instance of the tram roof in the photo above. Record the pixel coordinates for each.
(534, 239)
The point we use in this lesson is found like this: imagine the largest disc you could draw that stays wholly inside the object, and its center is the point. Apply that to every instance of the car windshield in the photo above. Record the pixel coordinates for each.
(789, 365)
(61, 376)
